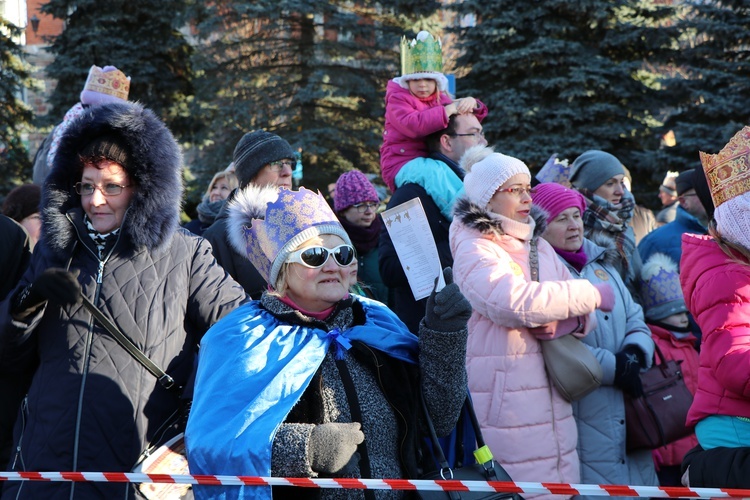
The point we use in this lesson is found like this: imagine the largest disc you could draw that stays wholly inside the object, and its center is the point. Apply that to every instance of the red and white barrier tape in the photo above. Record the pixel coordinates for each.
(384, 484)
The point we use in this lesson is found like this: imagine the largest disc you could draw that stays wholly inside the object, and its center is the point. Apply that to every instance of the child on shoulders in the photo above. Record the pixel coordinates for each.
(417, 104)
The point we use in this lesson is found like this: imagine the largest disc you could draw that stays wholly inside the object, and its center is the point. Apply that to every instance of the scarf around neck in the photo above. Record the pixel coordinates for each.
(576, 259)
(364, 239)
(209, 210)
(602, 216)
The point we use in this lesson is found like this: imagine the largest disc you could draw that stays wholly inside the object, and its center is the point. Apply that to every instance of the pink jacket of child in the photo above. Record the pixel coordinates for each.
(717, 292)
(408, 121)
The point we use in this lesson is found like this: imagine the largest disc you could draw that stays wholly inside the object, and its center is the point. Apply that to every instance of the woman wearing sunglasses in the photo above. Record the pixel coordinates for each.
(521, 294)
(310, 381)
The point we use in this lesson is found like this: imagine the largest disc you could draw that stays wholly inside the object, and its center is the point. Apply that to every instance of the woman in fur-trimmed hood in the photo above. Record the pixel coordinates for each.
(110, 232)
(527, 424)
(621, 343)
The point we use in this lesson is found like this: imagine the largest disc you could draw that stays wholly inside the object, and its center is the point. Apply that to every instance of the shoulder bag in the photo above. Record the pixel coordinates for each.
(167, 457)
(658, 417)
(486, 469)
(571, 366)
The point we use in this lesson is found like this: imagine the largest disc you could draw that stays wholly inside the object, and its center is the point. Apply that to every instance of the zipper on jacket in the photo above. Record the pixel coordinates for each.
(87, 344)
(17, 456)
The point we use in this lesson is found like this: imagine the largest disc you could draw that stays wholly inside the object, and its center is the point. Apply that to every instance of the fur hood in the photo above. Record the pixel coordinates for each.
(247, 204)
(155, 166)
(475, 217)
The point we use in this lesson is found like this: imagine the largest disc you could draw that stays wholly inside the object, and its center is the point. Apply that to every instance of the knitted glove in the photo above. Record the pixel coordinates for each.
(447, 310)
(58, 286)
(607, 301)
(628, 363)
(332, 446)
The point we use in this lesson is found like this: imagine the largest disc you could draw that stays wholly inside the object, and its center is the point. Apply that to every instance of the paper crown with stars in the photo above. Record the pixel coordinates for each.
(728, 171)
(555, 170)
(660, 288)
(269, 235)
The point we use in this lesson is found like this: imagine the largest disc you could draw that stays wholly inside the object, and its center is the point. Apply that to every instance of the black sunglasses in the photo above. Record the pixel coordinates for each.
(315, 257)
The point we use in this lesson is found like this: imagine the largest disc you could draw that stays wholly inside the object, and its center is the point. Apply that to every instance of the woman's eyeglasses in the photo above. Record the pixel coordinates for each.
(315, 257)
(518, 190)
(110, 189)
(363, 207)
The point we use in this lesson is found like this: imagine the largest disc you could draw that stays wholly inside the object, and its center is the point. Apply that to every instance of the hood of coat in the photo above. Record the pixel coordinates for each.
(700, 255)
(155, 166)
(480, 219)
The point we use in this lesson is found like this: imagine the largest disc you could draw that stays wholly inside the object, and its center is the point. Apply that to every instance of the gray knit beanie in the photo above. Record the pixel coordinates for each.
(593, 168)
(255, 150)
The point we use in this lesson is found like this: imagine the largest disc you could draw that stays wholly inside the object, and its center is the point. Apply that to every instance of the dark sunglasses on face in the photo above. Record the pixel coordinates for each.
(315, 257)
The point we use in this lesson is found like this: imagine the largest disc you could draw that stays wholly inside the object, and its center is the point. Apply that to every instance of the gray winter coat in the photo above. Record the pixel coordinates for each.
(91, 406)
(600, 416)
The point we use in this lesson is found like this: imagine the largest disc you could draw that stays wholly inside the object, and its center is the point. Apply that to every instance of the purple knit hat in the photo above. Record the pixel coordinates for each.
(351, 188)
(553, 198)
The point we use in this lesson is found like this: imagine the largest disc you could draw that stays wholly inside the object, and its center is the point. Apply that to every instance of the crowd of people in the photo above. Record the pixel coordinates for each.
(280, 333)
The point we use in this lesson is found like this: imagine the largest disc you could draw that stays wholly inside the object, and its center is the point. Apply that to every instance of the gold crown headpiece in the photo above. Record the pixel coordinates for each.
(728, 172)
(113, 83)
(423, 54)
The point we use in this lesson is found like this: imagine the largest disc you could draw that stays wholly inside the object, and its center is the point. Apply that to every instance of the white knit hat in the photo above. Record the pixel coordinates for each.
(486, 171)
(733, 220)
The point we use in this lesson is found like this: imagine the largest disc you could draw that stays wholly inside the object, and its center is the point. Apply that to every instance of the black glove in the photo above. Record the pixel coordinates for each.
(333, 446)
(628, 364)
(58, 286)
(447, 310)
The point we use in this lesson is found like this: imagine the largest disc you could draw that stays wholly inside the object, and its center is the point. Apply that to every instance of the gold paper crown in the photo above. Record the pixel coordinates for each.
(424, 54)
(113, 83)
(728, 172)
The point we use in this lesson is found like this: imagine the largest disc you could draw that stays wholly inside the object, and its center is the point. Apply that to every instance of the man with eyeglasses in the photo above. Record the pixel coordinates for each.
(262, 159)
(690, 217)
(447, 146)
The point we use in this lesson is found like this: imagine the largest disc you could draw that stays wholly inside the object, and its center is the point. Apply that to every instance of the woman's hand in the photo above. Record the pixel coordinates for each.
(447, 310)
(332, 446)
(55, 285)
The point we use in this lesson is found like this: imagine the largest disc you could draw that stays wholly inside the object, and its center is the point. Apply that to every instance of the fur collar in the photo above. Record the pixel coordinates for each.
(155, 167)
(478, 218)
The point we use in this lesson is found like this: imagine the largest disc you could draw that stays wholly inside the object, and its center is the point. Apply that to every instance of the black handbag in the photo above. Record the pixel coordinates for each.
(485, 470)
(658, 417)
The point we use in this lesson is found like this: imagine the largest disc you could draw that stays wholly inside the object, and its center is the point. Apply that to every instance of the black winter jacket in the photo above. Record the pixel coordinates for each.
(238, 266)
(91, 406)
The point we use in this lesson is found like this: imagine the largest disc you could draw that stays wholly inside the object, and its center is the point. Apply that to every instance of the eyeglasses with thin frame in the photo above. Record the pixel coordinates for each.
(518, 190)
(277, 166)
(363, 207)
(317, 256)
(476, 135)
(109, 189)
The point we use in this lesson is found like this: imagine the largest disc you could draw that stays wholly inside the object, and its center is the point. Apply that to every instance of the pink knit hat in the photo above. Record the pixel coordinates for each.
(553, 198)
(352, 188)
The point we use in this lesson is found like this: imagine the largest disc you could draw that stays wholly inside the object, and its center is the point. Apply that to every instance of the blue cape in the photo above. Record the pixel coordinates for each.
(252, 370)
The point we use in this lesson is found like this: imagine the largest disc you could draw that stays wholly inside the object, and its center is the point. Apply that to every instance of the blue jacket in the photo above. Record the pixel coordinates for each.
(667, 239)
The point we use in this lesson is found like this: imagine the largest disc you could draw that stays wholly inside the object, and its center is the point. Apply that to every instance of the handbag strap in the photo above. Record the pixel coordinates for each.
(487, 461)
(164, 379)
(533, 260)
